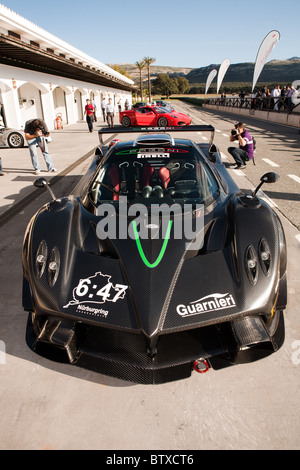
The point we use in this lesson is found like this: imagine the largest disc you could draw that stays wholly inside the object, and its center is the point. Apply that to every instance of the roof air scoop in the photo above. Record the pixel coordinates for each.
(154, 140)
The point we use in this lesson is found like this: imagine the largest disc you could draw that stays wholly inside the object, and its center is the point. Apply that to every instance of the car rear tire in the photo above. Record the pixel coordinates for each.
(126, 121)
(15, 140)
(162, 122)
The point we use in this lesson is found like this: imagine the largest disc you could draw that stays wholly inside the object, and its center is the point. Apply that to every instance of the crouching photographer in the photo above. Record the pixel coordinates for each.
(244, 152)
(37, 135)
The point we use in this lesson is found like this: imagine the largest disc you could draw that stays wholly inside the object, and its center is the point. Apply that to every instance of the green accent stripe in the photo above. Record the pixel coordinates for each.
(162, 251)
(128, 152)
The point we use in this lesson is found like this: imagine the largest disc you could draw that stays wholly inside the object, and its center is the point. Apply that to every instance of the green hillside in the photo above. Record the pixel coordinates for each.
(274, 71)
(281, 71)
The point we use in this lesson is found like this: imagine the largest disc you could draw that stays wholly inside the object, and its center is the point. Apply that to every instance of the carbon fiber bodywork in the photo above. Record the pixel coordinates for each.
(97, 304)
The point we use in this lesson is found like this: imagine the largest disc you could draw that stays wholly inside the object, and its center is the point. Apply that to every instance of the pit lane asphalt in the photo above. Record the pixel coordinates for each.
(70, 147)
(46, 405)
(278, 149)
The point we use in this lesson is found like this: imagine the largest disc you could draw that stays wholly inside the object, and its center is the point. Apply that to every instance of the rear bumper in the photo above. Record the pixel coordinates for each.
(125, 355)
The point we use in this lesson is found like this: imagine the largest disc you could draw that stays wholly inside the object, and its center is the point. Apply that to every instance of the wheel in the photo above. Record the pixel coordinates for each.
(272, 322)
(126, 121)
(15, 140)
(275, 327)
(162, 122)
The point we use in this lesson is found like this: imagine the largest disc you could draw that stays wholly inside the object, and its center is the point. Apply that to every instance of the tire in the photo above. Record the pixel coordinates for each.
(15, 140)
(162, 122)
(272, 323)
(126, 121)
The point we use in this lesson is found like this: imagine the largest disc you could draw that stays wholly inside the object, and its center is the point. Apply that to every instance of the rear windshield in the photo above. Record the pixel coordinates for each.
(154, 175)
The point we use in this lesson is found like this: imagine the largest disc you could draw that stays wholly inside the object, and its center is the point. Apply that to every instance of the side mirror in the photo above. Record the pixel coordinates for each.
(98, 154)
(270, 177)
(98, 151)
(212, 151)
(43, 183)
(40, 183)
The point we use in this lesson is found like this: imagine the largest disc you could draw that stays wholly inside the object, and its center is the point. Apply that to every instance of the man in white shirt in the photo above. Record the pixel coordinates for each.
(110, 112)
(276, 93)
(103, 106)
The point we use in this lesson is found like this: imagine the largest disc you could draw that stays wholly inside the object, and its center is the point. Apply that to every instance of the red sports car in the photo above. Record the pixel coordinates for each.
(153, 116)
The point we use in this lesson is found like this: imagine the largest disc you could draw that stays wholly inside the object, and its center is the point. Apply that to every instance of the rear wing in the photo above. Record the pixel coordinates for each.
(154, 130)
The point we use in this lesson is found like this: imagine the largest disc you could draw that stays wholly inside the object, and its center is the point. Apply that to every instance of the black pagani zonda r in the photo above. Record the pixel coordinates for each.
(112, 285)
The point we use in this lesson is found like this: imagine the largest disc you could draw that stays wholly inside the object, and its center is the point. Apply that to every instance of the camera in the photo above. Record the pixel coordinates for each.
(46, 134)
(44, 131)
(234, 132)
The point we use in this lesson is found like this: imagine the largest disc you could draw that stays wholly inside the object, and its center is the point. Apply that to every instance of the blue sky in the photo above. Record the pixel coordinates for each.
(178, 33)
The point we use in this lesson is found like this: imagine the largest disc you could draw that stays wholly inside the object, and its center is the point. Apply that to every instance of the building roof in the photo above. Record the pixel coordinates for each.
(24, 44)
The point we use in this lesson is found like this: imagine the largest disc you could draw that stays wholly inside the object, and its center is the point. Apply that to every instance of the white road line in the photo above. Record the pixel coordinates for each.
(224, 157)
(217, 130)
(239, 172)
(270, 162)
(297, 237)
(295, 178)
(203, 136)
(266, 198)
(225, 135)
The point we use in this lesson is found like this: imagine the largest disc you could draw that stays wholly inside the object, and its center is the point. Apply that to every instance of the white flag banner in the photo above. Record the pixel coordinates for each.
(210, 78)
(264, 51)
(222, 70)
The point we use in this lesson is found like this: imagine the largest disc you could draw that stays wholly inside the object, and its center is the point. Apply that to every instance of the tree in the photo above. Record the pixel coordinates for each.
(165, 85)
(148, 61)
(183, 85)
(119, 69)
(140, 65)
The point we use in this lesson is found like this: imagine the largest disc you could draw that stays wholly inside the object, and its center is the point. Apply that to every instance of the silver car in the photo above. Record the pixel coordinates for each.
(11, 137)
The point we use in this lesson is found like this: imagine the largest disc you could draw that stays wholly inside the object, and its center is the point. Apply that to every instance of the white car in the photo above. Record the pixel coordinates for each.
(11, 137)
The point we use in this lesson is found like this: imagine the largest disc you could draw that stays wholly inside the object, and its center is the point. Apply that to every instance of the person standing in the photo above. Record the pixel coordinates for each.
(275, 94)
(36, 132)
(95, 109)
(89, 112)
(245, 151)
(103, 107)
(110, 112)
(290, 92)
